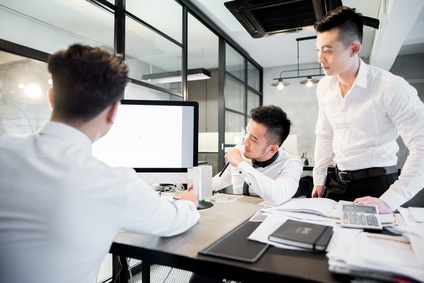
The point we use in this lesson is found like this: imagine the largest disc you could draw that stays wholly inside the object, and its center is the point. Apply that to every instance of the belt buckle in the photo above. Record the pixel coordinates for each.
(341, 174)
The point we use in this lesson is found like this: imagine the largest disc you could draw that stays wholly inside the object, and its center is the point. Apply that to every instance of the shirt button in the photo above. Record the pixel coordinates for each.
(240, 172)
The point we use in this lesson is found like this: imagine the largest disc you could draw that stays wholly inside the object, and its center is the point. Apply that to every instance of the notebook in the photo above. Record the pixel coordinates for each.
(303, 235)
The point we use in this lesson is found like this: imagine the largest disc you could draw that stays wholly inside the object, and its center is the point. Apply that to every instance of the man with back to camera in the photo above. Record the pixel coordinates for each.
(362, 110)
(60, 208)
(260, 166)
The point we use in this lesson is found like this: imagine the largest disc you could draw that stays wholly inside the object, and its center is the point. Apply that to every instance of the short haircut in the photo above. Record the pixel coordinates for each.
(276, 121)
(349, 23)
(86, 80)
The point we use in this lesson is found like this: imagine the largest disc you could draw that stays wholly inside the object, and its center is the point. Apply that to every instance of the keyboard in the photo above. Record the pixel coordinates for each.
(360, 216)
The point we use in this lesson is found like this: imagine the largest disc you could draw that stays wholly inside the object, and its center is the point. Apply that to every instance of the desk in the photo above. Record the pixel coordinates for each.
(181, 251)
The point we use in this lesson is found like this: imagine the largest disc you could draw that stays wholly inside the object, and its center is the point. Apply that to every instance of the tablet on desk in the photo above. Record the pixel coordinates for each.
(236, 246)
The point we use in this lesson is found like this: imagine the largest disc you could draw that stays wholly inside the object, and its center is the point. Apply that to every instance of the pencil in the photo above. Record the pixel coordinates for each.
(389, 238)
(225, 167)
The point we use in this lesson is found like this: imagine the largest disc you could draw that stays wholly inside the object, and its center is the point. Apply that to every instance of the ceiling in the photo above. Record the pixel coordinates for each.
(401, 32)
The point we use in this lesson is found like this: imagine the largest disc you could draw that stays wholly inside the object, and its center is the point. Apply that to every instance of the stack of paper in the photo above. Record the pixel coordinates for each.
(318, 210)
(377, 256)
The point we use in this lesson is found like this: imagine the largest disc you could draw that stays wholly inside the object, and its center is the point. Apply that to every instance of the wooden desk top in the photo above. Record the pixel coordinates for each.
(181, 251)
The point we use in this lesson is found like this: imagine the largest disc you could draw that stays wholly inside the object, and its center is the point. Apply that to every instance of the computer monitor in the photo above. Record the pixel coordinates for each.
(158, 138)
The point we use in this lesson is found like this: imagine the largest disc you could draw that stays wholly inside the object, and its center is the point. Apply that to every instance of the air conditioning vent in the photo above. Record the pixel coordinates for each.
(265, 17)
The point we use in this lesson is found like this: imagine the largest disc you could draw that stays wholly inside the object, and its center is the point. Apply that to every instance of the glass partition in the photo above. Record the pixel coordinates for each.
(234, 128)
(234, 62)
(234, 94)
(253, 76)
(203, 54)
(151, 57)
(167, 15)
(253, 100)
(52, 25)
(134, 91)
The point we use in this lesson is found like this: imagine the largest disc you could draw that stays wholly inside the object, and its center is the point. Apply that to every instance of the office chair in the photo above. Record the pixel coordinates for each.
(306, 185)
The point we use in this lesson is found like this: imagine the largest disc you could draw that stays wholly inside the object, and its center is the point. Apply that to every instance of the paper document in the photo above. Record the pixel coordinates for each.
(321, 206)
(227, 198)
(379, 257)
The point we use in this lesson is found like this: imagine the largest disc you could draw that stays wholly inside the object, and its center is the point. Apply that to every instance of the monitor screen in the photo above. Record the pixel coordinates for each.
(152, 136)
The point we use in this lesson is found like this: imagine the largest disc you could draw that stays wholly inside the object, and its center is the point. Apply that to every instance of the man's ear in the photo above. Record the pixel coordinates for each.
(111, 113)
(51, 97)
(355, 48)
(274, 148)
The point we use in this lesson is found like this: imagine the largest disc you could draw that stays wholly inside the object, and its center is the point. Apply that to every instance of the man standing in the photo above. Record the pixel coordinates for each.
(260, 166)
(60, 208)
(362, 110)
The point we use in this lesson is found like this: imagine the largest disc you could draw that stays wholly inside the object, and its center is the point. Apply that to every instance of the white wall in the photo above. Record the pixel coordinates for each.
(300, 104)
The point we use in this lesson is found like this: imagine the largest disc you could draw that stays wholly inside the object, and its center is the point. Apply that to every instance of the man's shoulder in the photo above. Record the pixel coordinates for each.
(285, 156)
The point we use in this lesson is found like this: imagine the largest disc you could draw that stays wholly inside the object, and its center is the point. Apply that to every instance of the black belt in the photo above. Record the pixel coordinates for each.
(347, 176)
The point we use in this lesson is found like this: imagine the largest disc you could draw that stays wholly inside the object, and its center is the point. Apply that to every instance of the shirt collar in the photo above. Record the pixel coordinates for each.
(361, 78)
(68, 134)
(257, 164)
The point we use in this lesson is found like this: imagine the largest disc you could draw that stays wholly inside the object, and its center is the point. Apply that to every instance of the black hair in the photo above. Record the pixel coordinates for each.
(345, 19)
(276, 121)
(86, 80)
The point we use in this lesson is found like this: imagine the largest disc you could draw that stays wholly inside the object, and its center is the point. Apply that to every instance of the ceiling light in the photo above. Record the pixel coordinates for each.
(32, 90)
(309, 81)
(280, 84)
(175, 76)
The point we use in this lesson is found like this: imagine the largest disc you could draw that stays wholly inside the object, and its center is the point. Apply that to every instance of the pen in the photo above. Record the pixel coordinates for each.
(225, 167)
(389, 238)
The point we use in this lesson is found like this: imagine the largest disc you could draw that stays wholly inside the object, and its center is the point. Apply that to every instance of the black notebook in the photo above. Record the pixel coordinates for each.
(303, 235)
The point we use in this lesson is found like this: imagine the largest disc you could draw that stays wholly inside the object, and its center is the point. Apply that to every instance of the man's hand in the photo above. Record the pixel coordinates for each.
(383, 208)
(317, 191)
(234, 157)
(188, 195)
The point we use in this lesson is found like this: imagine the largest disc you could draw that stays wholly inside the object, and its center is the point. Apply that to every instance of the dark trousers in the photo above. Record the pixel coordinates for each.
(337, 189)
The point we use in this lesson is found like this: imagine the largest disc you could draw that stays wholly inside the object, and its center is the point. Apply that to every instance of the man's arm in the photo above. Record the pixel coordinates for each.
(274, 191)
(323, 152)
(406, 110)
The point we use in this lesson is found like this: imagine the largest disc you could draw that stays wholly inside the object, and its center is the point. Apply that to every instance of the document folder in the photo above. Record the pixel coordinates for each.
(236, 246)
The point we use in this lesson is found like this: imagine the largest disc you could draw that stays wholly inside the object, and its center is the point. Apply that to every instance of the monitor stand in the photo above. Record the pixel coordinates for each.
(204, 205)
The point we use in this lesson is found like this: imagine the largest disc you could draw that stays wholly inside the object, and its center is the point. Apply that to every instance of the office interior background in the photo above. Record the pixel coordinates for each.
(171, 45)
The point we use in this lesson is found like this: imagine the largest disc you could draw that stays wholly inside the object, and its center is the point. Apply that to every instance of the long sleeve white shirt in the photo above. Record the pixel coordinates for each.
(60, 208)
(275, 183)
(361, 129)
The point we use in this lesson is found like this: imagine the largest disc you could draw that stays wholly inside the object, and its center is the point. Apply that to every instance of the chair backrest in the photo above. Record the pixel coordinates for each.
(416, 201)
(306, 185)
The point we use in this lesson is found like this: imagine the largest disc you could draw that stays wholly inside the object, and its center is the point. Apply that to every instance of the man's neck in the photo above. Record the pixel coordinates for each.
(347, 78)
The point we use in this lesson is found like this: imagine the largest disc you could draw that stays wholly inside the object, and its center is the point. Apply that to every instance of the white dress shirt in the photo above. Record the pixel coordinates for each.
(362, 127)
(60, 208)
(275, 183)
